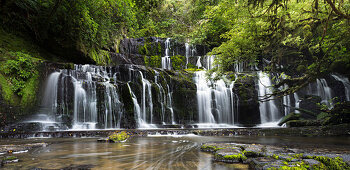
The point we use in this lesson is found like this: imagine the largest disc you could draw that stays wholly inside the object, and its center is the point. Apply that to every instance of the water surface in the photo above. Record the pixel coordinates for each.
(153, 152)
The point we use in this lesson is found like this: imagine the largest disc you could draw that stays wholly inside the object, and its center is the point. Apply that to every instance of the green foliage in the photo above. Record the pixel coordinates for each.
(178, 62)
(84, 26)
(192, 70)
(119, 137)
(20, 70)
(153, 61)
(6, 90)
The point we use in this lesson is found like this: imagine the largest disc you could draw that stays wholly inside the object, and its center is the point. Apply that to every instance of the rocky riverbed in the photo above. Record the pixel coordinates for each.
(275, 157)
(9, 152)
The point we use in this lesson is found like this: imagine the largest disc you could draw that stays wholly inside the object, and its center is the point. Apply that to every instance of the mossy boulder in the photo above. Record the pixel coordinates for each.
(118, 137)
(289, 117)
(230, 155)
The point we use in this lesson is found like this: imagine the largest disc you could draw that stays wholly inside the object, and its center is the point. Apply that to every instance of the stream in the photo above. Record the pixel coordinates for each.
(153, 151)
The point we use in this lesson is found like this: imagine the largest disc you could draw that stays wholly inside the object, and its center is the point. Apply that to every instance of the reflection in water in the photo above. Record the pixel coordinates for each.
(154, 152)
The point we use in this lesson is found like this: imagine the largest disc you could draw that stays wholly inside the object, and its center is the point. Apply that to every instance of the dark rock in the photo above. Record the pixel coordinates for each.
(265, 163)
(248, 105)
(312, 162)
(302, 123)
(253, 150)
(309, 104)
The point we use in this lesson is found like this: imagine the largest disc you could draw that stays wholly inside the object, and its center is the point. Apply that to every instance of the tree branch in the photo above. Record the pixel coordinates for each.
(337, 11)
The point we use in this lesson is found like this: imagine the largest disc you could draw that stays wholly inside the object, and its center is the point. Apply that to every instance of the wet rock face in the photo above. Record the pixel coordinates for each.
(309, 103)
(248, 105)
(133, 50)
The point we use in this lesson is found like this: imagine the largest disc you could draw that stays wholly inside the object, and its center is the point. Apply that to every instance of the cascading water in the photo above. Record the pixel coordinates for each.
(224, 102)
(238, 67)
(297, 102)
(146, 98)
(204, 98)
(324, 91)
(165, 100)
(268, 109)
(83, 82)
(188, 48)
(216, 103)
(170, 105)
(210, 62)
(166, 62)
(346, 84)
(91, 97)
(199, 64)
(50, 95)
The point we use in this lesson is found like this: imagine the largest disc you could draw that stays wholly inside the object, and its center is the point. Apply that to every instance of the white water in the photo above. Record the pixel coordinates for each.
(204, 100)
(214, 98)
(239, 66)
(210, 62)
(346, 84)
(199, 64)
(162, 97)
(268, 109)
(137, 110)
(146, 98)
(81, 81)
(324, 92)
(166, 62)
(188, 49)
(297, 102)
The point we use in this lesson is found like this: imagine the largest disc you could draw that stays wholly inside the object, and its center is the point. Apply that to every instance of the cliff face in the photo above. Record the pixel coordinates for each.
(134, 92)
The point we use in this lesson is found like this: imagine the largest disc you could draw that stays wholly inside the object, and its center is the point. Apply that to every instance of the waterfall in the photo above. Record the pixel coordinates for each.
(199, 64)
(162, 98)
(166, 62)
(170, 105)
(268, 109)
(146, 98)
(224, 103)
(286, 103)
(324, 91)
(346, 84)
(188, 48)
(210, 62)
(82, 82)
(50, 96)
(204, 98)
(216, 101)
(113, 106)
(79, 105)
(137, 109)
(297, 102)
(238, 67)
(165, 100)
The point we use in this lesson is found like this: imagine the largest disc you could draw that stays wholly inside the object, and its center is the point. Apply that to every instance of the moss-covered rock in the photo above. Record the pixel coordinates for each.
(230, 155)
(289, 117)
(301, 123)
(119, 137)
(153, 61)
(178, 62)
